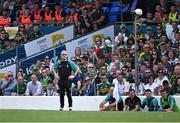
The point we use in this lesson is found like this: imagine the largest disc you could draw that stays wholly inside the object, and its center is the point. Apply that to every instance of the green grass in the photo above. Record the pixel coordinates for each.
(85, 116)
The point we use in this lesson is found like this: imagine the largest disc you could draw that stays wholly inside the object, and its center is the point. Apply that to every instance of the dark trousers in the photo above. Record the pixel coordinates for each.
(62, 94)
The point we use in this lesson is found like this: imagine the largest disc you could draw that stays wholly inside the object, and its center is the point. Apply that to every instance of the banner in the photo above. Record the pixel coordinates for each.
(27, 63)
(61, 36)
(49, 41)
(3, 71)
(88, 40)
(11, 31)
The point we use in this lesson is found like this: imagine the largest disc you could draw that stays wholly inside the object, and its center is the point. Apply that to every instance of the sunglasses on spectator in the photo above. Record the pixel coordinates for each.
(90, 67)
(10, 75)
(86, 79)
(103, 78)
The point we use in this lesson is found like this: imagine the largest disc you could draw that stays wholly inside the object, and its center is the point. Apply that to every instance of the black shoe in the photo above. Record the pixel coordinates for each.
(61, 109)
(70, 108)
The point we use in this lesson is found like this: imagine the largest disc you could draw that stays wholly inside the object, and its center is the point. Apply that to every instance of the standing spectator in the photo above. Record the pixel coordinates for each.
(167, 102)
(37, 33)
(7, 86)
(133, 102)
(59, 13)
(34, 87)
(104, 86)
(20, 88)
(173, 15)
(150, 101)
(98, 17)
(21, 12)
(113, 104)
(5, 20)
(63, 73)
(158, 16)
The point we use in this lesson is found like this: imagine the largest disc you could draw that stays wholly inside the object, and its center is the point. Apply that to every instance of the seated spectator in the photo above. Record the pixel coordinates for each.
(20, 88)
(150, 101)
(45, 79)
(138, 87)
(34, 87)
(167, 102)
(104, 86)
(21, 12)
(158, 16)
(167, 87)
(176, 87)
(88, 88)
(173, 15)
(121, 85)
(113, 104)
(37, 33)
(133, 102)
(3, 80)
(5, 19)
(149, 18)
(176, 73)
(151, 85)
(59, 13)
(50, 89)
(84, 24)
(20, 35)
(98, 17)
(7, 86)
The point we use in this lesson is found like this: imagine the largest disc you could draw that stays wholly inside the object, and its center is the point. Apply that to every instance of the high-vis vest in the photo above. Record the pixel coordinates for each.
(37, 15)
(5, 21)
(173, 17)
(48, 17)
(27, 21)
(58, 16)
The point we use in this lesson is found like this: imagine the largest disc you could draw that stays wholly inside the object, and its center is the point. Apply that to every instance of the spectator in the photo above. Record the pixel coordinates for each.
(150, 101)
(132, 103)
(138, 87)
(167, 102)
(37, 33)
(7, 86)
(171, 35)
(176, 73)
(59, 13)
(104, 86)
(84, 24)
(50, 89)
(121, 84)
(21, 12)
(98, 17)
(3, 80)
(20, 88)
(176, 87)
(113, 105)
(173, 15)
(34, 87)
(20, 35)
(45, 79)
(158, 14)
(88, 87)
(151, 85)
(167, 87)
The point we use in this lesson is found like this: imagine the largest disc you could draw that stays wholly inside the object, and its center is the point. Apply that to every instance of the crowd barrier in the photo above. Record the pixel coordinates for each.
(80, 103)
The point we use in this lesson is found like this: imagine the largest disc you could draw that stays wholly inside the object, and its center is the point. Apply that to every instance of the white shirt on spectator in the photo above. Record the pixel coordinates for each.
(159, 82)
(139, 89)
(34, 89)
(152, 87)
(122, 87)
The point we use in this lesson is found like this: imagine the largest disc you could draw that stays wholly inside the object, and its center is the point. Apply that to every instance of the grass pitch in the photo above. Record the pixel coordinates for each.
(85, 116)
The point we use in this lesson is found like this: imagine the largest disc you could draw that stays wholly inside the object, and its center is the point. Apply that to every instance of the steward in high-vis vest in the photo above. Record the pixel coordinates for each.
(48, 15)
(173, 15)
(5, 19)
(38, 14)
(59, 14)
(26, 19)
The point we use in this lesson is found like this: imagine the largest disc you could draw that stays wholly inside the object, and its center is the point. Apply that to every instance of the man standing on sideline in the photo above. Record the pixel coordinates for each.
(132, 103)
(65, 71)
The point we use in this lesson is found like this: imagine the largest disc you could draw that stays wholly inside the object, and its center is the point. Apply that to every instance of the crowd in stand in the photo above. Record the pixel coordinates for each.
(85, 17)
(109, 62)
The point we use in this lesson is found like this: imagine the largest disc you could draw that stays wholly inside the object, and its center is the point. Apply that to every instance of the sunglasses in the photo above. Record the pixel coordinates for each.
(103, 78)
(90, 67)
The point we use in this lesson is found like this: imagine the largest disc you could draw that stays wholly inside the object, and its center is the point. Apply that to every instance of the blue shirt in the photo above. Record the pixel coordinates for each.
(151, 103)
